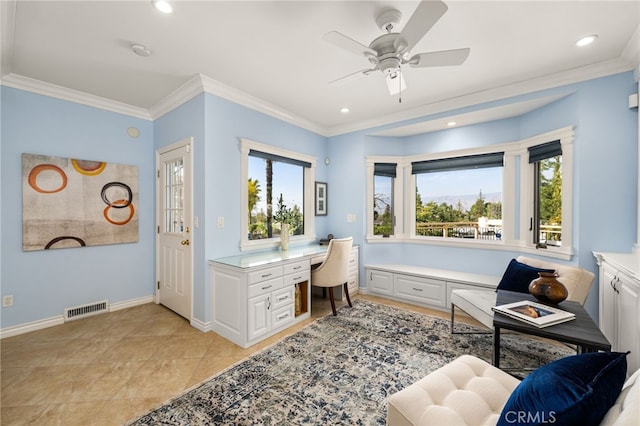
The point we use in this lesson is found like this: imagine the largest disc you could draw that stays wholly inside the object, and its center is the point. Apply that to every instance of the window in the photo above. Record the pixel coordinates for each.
(459, 197)
(278, 187)
(492, 196)
(546, 189)
(546, 223)
(384, 175)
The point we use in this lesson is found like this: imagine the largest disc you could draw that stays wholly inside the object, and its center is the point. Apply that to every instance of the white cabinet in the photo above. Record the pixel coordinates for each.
(423, 286)
(420, 289)
(251, 304)
(619, 309)
(380, 282)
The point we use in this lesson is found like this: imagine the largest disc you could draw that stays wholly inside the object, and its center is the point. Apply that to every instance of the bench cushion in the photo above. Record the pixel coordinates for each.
(467, 391)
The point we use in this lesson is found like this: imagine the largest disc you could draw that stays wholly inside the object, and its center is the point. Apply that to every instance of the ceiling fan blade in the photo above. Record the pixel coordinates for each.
(440, 59)
(425, 16)
(347, 43)
(350, 77)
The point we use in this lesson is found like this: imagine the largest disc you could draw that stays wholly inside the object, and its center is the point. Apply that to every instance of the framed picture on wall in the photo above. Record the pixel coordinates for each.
(321, 198)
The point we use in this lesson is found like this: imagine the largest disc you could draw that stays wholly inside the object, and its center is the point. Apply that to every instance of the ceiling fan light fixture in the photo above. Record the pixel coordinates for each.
(586, 40)
(395, 83)
(163, 6)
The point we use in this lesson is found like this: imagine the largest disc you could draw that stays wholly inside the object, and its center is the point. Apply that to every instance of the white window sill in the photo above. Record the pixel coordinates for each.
(517, 246)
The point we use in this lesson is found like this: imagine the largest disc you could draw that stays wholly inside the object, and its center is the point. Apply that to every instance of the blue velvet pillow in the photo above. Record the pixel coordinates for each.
(576, 390)
(518, 276)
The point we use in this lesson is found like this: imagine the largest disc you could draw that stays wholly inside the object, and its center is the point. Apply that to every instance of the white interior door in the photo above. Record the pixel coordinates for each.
(175, 242)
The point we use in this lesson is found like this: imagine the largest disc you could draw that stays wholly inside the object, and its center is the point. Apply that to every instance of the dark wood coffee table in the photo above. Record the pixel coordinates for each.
(581, 331)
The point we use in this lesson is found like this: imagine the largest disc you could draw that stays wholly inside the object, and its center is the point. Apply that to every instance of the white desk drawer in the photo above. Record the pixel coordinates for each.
(265, 287)
(264, 274)
(295, 268)
(283, 298)
(282, 316)
(293, 279)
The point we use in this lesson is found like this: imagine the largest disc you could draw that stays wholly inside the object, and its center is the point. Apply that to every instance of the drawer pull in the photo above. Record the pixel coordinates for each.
(284, 297)
(417, 289)
(266, 275)
(266, 288)
(282, 316)
(295, 268)
(297, 278)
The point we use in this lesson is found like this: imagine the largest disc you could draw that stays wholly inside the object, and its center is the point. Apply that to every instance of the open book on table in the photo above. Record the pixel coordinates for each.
(534, 313)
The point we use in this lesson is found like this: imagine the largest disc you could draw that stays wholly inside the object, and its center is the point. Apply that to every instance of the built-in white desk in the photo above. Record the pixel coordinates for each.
(259, 294)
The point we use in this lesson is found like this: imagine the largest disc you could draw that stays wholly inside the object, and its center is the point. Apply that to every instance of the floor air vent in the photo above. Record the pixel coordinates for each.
(86, 310)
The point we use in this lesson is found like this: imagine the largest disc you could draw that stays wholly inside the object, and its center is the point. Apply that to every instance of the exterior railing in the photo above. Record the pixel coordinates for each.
(551, 234)
(458, 230)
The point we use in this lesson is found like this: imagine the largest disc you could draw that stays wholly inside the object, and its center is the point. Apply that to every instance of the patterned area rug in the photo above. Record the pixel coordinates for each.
(339, 370)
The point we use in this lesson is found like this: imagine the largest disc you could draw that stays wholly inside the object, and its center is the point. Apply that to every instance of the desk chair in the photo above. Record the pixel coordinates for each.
(334, 270)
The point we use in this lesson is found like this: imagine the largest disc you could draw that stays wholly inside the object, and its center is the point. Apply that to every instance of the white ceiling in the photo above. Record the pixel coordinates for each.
(272, 53)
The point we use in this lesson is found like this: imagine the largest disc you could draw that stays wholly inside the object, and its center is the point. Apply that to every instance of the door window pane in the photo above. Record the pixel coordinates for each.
(173, 196)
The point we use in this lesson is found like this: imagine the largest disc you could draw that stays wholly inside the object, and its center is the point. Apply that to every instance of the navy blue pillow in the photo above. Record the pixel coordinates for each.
(518, 276)
(576, 390)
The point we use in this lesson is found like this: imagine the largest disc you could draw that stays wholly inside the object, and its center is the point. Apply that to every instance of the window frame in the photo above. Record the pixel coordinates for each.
(247, 145)
(527, 189)
(398, 196)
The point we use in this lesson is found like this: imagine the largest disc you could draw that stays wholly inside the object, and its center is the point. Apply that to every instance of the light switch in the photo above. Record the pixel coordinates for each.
(220, 222)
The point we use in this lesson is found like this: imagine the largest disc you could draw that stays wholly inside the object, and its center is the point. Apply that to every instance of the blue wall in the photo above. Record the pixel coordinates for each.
(43, 283)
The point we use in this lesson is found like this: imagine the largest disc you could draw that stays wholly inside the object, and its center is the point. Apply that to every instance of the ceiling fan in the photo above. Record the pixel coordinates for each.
(388, 52)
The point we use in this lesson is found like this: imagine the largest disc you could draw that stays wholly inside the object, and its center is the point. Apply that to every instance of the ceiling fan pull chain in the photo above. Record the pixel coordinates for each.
(399, 85)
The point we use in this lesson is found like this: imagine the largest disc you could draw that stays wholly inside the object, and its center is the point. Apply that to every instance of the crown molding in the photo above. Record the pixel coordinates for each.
(550, 81)
(52, 90)
(232, 94)
(173, 100)
(201, 83)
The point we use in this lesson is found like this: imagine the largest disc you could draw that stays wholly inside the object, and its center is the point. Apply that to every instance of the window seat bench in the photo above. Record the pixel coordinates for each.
(428, 287)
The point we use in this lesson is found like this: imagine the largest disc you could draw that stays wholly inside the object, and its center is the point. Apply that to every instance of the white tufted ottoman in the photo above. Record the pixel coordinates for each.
(467, 391)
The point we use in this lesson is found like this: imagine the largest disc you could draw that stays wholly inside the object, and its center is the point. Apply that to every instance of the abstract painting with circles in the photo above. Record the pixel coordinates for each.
(67, 202)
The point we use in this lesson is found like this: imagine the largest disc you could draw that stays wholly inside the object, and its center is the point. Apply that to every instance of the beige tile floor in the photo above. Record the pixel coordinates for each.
(111, 368)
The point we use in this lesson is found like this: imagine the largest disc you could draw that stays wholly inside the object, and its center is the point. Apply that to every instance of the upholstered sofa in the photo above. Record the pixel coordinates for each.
(469, 391)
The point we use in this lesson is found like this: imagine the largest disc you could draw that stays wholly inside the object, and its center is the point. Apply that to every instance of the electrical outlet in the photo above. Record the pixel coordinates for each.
(7, 300)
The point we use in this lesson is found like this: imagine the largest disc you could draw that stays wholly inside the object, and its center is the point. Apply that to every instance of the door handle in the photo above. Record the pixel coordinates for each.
(185, 242)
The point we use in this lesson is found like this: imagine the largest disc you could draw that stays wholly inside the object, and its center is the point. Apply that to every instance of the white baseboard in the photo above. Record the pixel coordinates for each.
(131, 303)
(58, 320)
(201, 326)
(31, 326)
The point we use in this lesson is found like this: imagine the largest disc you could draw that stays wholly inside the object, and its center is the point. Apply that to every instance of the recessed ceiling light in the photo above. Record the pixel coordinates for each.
(140, 50)
(451, 123)
(344, 110)
(163, 6)
(586, 40)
